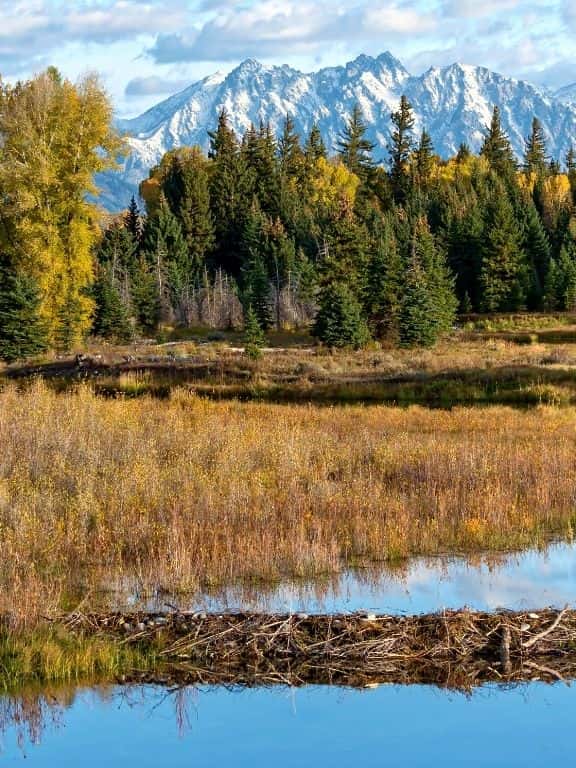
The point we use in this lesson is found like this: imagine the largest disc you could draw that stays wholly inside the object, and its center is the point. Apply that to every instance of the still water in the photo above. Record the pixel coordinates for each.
(528, 725)
(391, 726)
(534, 579)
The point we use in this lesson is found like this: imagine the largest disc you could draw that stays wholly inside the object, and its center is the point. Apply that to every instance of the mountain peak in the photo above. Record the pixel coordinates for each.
(248, 67)
(454, 103)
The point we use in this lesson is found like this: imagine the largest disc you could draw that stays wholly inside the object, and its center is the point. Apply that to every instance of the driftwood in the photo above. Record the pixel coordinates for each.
(455, 648)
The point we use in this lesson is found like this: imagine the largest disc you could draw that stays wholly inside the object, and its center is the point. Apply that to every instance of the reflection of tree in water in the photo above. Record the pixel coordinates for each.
(184, 699)
(29, 713)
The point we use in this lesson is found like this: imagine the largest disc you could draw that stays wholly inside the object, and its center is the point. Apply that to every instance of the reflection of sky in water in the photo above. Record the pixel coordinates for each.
(391, 726)
(528, 580)
(411, 726)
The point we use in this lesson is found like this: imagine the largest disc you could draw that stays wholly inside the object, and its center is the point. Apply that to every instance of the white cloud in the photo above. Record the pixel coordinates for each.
(30, 31)
(187, 39)
(283, 27)
(154, 86)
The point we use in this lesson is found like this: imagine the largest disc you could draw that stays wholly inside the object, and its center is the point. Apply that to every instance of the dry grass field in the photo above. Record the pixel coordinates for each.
(184, 493)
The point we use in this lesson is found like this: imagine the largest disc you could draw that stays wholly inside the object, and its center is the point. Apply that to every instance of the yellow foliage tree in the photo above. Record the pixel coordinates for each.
(332, 186)
(556, 198)
(56, 136)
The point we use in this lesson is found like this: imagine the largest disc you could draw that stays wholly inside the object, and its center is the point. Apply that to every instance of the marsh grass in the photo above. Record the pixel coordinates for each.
(53, 654)
(186, 494)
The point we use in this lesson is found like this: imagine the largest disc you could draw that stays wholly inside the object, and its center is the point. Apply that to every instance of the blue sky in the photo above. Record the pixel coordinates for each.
(147, 50)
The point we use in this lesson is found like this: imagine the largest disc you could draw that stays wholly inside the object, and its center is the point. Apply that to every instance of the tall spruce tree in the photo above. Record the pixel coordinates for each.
(265, 168)
(504, 274)
(134, 224)
(290, 152)
(538, 251)
(315, 147)
(536, 154)
(496, 147)
(229, 189)
(416, 323)
(400, 148)
(147, 303)
(439, 280)
(185, 187)
(355, 149)
(424, 160)
(384, 284)
(166, 252)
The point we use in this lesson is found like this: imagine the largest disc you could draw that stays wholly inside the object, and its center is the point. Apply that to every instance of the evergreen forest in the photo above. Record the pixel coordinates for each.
(268, 233)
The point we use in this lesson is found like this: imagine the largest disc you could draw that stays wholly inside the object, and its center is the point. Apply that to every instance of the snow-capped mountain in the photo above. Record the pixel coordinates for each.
(453, 103)
(567, 95)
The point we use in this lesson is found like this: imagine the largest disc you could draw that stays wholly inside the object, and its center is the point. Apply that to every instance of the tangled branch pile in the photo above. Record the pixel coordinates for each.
(453, 647)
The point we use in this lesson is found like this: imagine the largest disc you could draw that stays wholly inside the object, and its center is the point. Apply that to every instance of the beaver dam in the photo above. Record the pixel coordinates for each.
(459, 649)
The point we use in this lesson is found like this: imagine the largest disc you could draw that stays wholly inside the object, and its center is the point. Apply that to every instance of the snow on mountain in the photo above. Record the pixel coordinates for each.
(453, 103)
(567, 95)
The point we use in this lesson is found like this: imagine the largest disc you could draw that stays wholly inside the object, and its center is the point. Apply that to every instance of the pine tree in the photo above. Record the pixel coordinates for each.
(69, 320)
(230, 187)
(146, 299)
(185, 187)
(537, 247)
(289, 151)
(552, 288)
(119, 251)
(259, 152)
(133, 223)
(497, 148)
(536, 155)
(464, 249)
(346, 244)
(566, 287)
(355, 149)
(23, 333)
(110, 319)
(254, 336)
(424, 160)
(416, 323)
(256, 288)
(438, 279)
(384, 283)
(167, 253)
(503, 278)
(315, 147)
(400, 148)
(340, 322)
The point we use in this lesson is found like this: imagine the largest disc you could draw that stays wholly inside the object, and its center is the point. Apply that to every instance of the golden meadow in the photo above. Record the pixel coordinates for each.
(185, 494)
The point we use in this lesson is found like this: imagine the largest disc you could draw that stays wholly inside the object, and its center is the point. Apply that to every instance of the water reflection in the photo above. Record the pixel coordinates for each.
(533, 579)
(314, 726)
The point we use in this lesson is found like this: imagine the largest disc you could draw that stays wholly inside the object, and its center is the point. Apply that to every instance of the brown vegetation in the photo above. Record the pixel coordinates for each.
(185, 493)
(469, 369)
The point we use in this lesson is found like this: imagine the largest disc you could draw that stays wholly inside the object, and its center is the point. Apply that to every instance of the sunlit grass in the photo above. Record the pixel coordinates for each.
(185, 493)
(54, 654)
